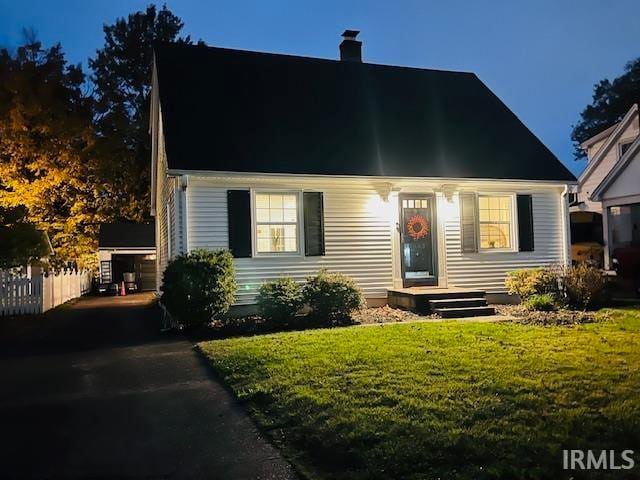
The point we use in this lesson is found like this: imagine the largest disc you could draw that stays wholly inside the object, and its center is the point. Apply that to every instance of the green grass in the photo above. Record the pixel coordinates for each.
(451, 400)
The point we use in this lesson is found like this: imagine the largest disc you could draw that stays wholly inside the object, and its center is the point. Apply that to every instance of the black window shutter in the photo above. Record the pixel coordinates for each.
(313, 224)
(468, 227)
(239, 218)
(525, 223)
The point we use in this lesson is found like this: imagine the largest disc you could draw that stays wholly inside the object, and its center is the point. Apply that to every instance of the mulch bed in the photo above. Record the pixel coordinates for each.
(387, 314)
(520, 314)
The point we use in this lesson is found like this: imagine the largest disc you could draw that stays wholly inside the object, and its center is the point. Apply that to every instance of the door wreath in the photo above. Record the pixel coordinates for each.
(417, 227)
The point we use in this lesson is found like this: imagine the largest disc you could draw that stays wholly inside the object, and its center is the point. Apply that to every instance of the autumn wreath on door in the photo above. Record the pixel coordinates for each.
(417, 227)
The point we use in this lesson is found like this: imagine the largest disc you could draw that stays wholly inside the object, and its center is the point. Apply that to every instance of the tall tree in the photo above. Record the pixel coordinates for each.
(122, 80)
(611, 100)
(46, 148)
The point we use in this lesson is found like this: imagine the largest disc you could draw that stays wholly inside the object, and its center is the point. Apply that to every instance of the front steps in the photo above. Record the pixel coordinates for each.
(446, 302)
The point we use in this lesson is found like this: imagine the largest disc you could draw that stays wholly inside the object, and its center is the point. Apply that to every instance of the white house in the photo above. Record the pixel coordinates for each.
(610, 184)
(396, 176)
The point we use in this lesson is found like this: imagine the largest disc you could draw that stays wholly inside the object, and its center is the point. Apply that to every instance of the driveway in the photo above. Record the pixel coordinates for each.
(95, 390)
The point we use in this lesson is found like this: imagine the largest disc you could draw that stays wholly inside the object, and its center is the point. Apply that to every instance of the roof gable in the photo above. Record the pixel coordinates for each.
(614, 135)
(229, 110)
(629, 163)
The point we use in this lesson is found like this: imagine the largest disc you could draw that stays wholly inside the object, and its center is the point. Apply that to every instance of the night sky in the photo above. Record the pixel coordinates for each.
(540, 57)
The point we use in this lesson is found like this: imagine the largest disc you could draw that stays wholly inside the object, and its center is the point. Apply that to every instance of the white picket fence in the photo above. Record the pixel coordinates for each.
(22, 294)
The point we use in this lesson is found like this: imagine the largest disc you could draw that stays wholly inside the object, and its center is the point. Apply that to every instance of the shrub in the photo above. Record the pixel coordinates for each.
(583, 285)
(532, 281)
(541, 302)
(199, 286)
(332, 296)
(280, 300)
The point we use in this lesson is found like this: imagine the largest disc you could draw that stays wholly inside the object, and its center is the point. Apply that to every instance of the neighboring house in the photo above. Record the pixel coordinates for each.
(395, 176)
(127, 248)
(609, 187)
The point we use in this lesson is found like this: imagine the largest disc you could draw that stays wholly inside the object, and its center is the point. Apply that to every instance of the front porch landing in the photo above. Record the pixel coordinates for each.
(450, 302)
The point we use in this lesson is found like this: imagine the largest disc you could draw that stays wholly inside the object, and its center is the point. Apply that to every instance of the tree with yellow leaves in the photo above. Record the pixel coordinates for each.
(47, 149)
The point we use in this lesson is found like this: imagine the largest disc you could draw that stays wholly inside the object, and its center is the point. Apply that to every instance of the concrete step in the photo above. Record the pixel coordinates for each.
(464, 312)
(458, 302)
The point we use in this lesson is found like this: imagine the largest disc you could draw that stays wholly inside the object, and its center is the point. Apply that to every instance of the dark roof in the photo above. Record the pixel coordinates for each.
(127, 235)
(232, 110)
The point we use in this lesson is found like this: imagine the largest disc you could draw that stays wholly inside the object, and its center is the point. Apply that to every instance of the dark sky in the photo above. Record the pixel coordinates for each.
(540, 57)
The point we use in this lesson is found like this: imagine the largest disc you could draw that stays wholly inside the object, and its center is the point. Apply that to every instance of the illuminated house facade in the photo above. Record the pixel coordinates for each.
(394, 176)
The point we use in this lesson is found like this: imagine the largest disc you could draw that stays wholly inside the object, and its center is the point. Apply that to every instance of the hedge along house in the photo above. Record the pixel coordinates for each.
(398, 177)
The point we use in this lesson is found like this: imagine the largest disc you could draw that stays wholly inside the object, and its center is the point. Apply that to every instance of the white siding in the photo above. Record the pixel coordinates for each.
(165, 188)
(626, 184)
(360, 229)
(357, 239)
(487, 270)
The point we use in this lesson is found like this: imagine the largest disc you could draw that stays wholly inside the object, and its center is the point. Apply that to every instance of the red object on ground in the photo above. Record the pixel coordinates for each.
(123, 290)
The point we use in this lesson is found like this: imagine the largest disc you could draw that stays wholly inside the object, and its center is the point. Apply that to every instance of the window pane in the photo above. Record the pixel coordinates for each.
(290, 244)
(262, 231)
(494, 203)
(262, 215)
(263, 245)
(494, 215)
(277, 238)
(505, 203)
(262, 200)
(484, 215)
(275, 215)
(275, 201)
(483, 203)
(290, 215)
(289, 201)
(290, 231)
(494, 235)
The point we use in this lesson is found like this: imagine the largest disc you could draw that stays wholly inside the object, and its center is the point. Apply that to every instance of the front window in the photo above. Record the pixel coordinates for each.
(495, 221)
(276, 217)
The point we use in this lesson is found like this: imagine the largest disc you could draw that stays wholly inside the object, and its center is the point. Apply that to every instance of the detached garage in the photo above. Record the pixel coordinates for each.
(127, 253)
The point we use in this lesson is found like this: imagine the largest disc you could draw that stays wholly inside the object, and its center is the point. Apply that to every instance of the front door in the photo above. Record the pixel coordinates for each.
(418, 240)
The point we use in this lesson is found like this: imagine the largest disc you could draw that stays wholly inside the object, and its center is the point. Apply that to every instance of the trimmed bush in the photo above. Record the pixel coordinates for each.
(280, 300)
(199, 287)
(332, 296)
(532, 281)
(583, 285)
(541, 302)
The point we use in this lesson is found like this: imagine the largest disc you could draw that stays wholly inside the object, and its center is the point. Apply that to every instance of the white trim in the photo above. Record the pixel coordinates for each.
(169, 222)
(439, 180)
(566, 227)
(441, 221)
(598, 136)
(620, 201)
(299, 224)
(615, 172)
(128, 250)
(513, 230)
(613, 138)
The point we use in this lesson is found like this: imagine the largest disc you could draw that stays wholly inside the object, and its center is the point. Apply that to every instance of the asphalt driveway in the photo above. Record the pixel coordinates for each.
(94, 390)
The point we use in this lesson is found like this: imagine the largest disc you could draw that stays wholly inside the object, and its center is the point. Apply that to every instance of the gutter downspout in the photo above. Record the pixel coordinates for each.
(566, 227)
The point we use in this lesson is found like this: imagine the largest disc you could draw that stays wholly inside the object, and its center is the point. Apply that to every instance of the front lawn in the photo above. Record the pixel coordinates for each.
(442, 400)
